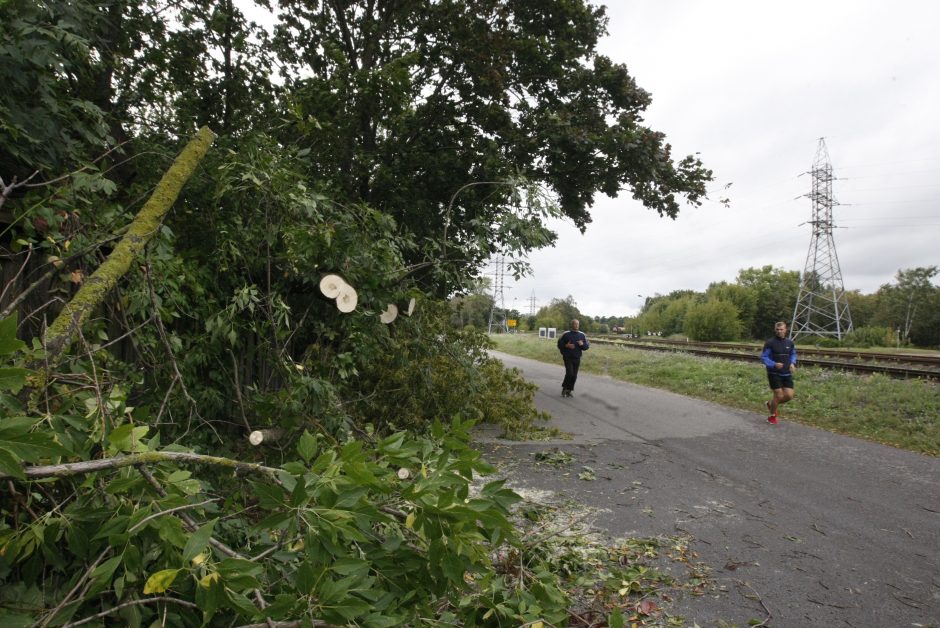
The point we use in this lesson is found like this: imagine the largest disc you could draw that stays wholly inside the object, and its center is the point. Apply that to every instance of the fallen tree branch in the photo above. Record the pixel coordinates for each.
(149, 600)
(78, 585)
(151, 457)
(191, 523)
(169, 511)
(193, 526)
(7, 189)
(142, 229)
(267, 435)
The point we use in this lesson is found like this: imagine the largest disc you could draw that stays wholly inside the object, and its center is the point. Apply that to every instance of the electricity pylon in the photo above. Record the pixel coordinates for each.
(821, 308)
(498, 309)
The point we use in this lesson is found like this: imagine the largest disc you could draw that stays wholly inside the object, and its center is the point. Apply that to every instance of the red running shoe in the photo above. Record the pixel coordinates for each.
(772, 419)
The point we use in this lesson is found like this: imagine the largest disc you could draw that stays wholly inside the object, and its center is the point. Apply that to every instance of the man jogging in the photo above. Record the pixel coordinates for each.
(779, 356)
(571, 344)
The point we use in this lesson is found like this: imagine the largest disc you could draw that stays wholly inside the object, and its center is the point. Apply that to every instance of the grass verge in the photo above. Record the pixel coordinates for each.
(902, 413)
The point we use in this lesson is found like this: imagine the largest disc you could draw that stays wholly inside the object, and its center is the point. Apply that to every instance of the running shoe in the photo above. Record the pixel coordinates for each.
(772, 419)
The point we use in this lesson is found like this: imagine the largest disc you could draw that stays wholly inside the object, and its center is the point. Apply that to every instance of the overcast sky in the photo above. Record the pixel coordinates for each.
(752, 86)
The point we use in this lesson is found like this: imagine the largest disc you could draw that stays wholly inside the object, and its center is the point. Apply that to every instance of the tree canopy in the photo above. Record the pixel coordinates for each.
(403, 104)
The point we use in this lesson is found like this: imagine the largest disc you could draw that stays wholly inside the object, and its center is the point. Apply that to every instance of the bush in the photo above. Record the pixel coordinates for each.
(870, 337)
(712, 321)
(428, 370)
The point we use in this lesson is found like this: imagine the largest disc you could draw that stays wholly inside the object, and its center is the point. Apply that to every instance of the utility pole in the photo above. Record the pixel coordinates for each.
(821, 308)
(498, 309)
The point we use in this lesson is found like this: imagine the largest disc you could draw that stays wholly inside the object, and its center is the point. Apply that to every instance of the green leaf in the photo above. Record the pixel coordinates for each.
(273, 521)
(307, 447)
(299, 496)
(239, 575)
(349, 566)
(32, 447)
(210, 595)
(10, 465)
(127, 437)
(18, 621)
(198, 542)
(16, 426)
(360, 474)
(13, 379)
(269, 496)
(238, 566)
(615, 619)
(160, 581)
(9, 343)
(242, 604)
(103, 572)
(170, 529)
(351, 607)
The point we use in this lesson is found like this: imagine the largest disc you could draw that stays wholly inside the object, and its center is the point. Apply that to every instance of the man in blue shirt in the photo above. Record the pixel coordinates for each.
(571, 344)
(779, 356)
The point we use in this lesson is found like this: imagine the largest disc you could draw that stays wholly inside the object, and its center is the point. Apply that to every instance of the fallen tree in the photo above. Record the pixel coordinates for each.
(141, 230)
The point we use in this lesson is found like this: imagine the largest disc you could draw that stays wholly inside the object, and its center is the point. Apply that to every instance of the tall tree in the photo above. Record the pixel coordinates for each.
(915, 288)
(558, 314)
(712, 321)
(743, 299)
(776, 292)
(404, 103)
(899, 304)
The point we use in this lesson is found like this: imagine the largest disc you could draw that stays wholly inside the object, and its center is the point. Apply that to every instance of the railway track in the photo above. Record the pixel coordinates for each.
(900, 365)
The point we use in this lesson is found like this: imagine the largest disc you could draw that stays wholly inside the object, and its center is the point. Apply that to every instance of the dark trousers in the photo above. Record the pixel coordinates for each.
(571, 373)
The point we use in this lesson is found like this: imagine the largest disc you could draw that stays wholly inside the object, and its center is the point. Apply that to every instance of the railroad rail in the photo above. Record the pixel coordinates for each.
(901, 365)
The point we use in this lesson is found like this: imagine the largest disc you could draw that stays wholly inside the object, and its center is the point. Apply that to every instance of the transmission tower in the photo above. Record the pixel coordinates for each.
(498, 309)
(821, 308)
(532, 304)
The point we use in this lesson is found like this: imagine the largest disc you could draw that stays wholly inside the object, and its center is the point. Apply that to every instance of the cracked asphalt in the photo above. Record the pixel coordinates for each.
(801, 527)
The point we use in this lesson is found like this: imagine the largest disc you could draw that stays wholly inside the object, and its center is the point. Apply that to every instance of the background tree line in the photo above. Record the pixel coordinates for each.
(905, 311)
(397, 144)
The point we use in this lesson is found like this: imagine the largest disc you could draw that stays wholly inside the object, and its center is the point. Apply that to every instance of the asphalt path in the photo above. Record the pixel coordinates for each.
(801, 527)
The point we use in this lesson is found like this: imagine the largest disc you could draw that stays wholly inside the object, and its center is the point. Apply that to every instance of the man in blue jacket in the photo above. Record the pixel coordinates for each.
(779, 356)
(571, 344)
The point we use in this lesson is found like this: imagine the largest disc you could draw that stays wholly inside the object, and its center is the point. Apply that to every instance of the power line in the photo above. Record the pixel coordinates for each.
(888, 174)
(889, 163)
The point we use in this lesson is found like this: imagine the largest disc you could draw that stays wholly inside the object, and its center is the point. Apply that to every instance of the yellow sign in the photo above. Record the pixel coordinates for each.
(511, 322)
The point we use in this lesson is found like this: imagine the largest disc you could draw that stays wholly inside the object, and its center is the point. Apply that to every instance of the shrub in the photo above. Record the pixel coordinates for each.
(713, 320)
(869, 337)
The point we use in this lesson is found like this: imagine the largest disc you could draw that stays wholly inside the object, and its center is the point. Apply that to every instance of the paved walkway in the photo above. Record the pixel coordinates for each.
(814, 528)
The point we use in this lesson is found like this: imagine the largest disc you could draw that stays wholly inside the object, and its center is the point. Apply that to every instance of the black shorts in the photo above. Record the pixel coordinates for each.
(776, 381)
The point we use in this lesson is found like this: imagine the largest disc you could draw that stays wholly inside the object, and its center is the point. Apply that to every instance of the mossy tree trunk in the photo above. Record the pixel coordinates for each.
(62, 330)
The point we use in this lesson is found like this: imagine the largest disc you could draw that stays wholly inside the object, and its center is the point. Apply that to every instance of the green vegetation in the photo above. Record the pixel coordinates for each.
(398, 146)
(903, 413)
(904, 313)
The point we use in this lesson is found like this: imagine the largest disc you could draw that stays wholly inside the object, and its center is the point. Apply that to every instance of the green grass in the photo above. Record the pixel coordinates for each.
(902, 413)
